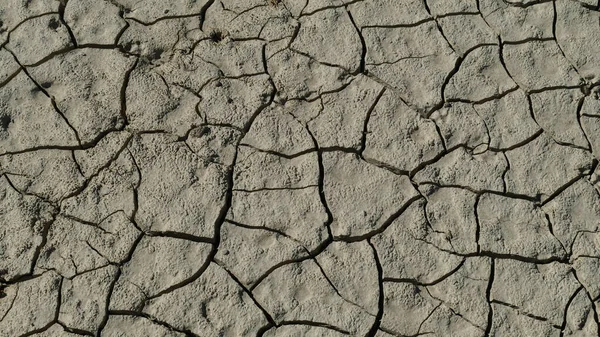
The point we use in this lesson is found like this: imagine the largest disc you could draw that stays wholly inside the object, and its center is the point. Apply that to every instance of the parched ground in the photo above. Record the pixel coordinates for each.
(229, 168)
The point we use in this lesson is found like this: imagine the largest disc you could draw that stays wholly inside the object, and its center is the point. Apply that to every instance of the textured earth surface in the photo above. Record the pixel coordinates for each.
(309, 168)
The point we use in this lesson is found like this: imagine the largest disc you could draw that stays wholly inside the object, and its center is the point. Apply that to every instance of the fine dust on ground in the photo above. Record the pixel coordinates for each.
(319, 168)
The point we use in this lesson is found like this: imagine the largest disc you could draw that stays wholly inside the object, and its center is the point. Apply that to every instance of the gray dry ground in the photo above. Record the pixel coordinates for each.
(228, 168)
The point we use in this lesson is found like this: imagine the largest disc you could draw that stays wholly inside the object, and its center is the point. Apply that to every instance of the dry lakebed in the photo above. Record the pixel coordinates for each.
(291, 168)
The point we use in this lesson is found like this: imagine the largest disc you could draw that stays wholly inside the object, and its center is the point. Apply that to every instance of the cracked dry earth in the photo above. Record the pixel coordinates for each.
(299, 168)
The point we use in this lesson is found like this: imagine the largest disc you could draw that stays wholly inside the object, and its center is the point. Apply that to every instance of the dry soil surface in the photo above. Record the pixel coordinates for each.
(227, 168)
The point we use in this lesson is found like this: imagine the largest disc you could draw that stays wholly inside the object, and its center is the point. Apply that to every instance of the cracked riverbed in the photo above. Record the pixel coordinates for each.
(278, 168)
